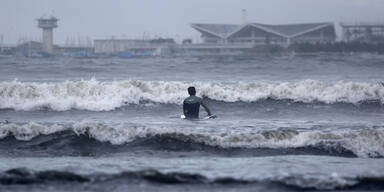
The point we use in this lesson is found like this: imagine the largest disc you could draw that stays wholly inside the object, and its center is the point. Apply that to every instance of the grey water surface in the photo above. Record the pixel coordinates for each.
(285, 123)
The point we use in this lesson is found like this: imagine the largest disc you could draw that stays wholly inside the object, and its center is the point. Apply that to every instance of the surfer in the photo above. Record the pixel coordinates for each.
(191, 105)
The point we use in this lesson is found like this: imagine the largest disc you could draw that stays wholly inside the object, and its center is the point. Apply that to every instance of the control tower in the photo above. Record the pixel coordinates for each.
(47, 24)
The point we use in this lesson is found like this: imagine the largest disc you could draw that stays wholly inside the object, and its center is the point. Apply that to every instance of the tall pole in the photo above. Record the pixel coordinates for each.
(244, 12)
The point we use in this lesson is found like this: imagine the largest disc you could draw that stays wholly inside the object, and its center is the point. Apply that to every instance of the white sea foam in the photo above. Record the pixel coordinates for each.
(103, 96)
(29, 131)
(364, 142)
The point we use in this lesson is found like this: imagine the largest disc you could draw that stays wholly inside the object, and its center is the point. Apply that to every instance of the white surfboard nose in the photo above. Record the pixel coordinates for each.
(207, 117)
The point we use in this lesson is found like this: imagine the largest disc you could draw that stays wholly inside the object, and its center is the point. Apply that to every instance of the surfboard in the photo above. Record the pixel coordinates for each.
(204, 118)
(211, 117)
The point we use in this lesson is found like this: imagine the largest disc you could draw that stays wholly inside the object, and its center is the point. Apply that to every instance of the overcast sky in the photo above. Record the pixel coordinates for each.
(98, 19)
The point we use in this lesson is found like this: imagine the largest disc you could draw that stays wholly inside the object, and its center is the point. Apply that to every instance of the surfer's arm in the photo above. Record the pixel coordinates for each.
(206, 109)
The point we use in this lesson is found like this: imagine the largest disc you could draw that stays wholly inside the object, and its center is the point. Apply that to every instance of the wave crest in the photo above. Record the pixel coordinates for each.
(104, 96)
(363, 142)
(304, 182)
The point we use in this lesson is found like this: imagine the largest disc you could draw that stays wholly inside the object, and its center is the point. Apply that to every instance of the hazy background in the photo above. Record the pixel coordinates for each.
(168, 18)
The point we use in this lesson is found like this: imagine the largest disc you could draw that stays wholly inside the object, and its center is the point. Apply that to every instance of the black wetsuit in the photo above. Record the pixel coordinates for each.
(191, 106)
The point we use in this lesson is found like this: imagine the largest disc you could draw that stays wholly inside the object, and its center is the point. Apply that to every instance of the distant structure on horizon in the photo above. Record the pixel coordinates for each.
(363, 32)
(217, 39)
(47, 24)
(127, 47)
(262, 34)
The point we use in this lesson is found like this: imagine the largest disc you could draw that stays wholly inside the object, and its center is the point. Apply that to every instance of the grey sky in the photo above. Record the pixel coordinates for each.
(169, 18)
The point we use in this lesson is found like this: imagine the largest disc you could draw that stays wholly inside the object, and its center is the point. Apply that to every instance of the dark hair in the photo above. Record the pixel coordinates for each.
(191, 90)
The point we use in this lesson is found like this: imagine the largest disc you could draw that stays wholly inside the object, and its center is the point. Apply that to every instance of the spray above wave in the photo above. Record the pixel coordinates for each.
(363, 142)
(104, 96)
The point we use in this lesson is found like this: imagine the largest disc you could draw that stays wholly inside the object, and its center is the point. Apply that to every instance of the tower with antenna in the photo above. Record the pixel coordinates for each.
(47, 24)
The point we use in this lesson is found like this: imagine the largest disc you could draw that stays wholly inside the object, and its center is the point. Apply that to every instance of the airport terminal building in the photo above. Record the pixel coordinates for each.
(261, 34)
(223, 39)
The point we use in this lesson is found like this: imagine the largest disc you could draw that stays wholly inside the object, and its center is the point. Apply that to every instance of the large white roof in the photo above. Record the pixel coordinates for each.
(286, 30)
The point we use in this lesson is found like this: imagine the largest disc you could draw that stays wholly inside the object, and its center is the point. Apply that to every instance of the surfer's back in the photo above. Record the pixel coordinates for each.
(191, 106)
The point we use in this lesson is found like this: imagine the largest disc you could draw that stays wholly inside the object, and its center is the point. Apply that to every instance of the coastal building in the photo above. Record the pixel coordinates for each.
(133, 46)
(263, 34)
(363, 32)
(6, 50)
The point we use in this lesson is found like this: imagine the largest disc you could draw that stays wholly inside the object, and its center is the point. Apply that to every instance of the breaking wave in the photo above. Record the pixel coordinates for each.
(361, 142)
(104, 96)
(22, 176)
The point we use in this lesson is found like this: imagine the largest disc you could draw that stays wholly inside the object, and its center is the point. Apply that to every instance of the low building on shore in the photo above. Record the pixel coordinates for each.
(363, 32)
(131, 47)
(29, 49)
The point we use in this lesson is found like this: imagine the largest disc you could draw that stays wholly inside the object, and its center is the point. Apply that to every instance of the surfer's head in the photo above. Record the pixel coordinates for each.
(191, 90)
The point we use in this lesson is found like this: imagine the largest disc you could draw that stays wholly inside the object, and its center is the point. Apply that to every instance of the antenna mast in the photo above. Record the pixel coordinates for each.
(244, 11)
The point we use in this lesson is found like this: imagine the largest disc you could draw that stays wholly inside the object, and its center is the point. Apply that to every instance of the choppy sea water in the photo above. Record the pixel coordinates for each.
(285, 124)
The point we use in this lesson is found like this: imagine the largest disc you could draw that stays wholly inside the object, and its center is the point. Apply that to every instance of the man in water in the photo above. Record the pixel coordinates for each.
(191, 105)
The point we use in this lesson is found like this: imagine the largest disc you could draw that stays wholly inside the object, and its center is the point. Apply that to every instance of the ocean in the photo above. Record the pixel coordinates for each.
(285, 123)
